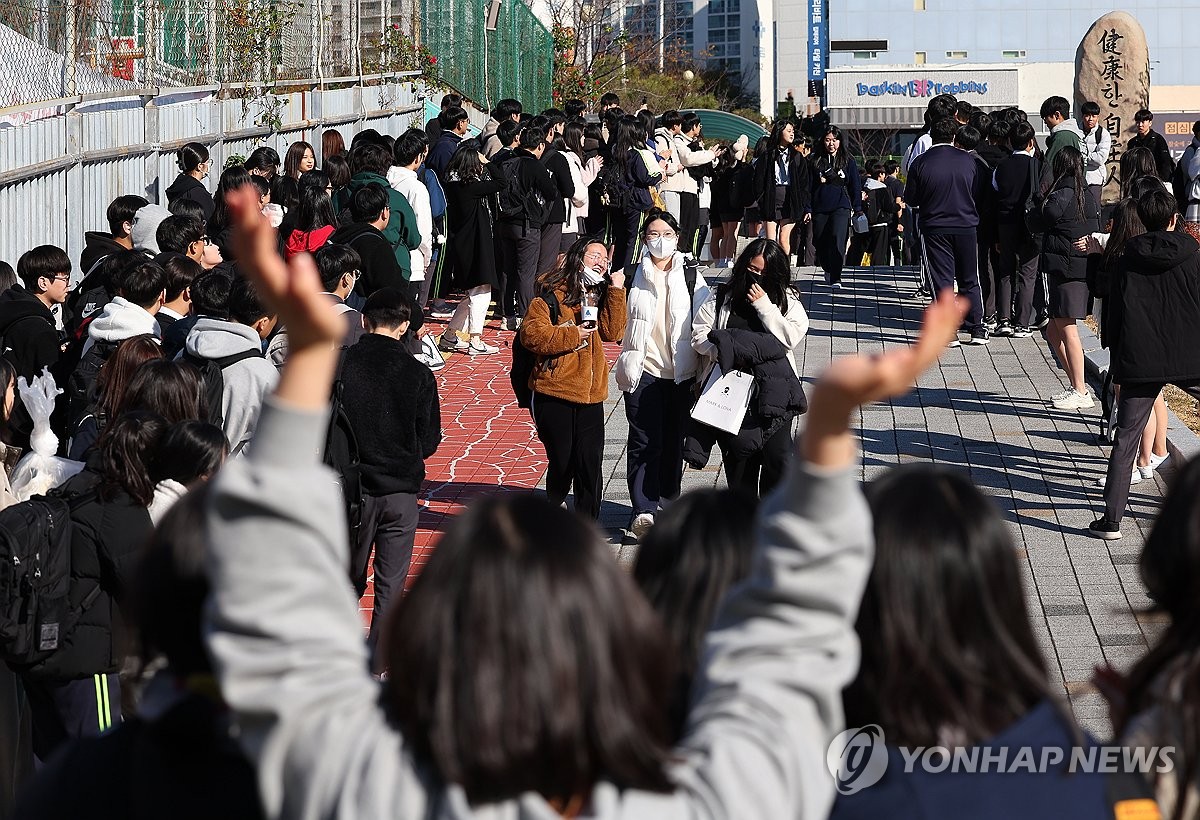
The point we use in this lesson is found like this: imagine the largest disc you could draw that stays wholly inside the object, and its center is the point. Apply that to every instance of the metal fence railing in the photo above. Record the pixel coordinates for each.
(516, 60)
(54, 49)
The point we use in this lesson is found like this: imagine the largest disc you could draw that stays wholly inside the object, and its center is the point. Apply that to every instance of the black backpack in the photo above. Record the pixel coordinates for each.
(212, 380)
(516, 202)
(615, 192)
(82, 381)
(35, 578)
(525, 360)
(342, 454)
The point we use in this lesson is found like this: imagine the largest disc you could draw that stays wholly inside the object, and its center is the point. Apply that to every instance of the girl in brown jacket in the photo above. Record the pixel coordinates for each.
(570, 381)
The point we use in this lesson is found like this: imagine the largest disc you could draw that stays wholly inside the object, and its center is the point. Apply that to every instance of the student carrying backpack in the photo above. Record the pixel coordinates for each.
(212, 379)
(519, 201)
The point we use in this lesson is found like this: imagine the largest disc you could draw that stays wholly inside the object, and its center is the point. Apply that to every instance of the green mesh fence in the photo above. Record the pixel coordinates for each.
(516, 60)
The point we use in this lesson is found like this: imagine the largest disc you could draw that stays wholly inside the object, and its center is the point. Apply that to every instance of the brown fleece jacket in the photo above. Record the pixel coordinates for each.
(562, 371)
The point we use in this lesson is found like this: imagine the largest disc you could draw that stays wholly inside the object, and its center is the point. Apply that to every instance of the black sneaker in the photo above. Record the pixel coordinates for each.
(1105, 529)
(1003, 329)
(990, 323)
(979, 337)
(1022, 332)
(1041, 322)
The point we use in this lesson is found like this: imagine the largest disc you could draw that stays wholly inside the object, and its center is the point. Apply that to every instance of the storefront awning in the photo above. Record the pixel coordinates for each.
(884, 116)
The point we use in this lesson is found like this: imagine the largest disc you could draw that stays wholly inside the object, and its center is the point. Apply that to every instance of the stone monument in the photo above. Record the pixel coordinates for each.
(1112, 68)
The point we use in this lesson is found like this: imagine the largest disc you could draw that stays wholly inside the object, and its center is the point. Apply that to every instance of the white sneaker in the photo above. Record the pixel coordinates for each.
(478, 347)
(1133, 479)
(1157, 461)
(1057, 397)
(641, 525)
(451, 343)
(1075, 401)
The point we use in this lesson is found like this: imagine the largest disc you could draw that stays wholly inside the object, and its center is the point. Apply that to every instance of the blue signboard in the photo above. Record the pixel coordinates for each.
(816, 40)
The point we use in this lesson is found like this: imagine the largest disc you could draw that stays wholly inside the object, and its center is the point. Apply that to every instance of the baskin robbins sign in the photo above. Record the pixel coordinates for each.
(921, 88)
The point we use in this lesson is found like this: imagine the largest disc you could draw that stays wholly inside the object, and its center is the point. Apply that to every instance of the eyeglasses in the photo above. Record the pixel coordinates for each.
(657, 235)
(61, 277)
(594, 256)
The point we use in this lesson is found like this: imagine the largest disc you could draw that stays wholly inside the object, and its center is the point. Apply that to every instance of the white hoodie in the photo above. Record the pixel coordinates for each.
(121, 320)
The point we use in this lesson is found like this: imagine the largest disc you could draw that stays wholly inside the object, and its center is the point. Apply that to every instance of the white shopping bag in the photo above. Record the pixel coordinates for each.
(724, 400)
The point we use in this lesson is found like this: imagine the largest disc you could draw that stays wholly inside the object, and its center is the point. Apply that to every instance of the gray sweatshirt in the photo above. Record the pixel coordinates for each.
(288, 645)
(246, 383)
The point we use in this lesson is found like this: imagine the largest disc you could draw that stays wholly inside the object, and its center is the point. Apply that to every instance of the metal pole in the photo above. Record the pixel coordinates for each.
(662, 35)
(71, 56)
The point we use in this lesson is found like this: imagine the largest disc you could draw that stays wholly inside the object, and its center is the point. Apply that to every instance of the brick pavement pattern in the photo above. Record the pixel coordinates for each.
(983, 410)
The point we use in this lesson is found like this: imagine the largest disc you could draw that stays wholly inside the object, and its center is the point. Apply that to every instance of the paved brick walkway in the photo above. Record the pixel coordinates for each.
(983, 410)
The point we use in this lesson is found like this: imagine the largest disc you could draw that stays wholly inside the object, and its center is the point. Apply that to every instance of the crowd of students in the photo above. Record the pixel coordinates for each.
(249, 388)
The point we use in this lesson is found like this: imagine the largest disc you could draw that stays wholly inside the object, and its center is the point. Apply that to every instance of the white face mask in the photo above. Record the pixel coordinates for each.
(591, 278)
(662, 247)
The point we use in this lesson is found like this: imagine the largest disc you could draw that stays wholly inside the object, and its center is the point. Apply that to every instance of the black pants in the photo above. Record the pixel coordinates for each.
(65, 710)
(1016, 268)
(829, 238)
(626, 236)
(802, 243)
(389, 522)
(573, 435)
(877, 246)
(761, 472)
(1133, 411)
(950, 258)
(689, 220)
(988, 290)
(522, 249)
(657, 410)
(16, 750)
(551, 242)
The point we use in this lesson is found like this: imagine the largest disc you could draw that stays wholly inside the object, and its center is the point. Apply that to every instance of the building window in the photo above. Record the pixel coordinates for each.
(956, 55)
(920, 59)
(1013, 55)
(918, 5)
(866, 55)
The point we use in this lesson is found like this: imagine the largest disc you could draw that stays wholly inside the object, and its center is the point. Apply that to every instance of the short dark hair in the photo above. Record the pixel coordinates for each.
(387, 308)
(122, 209)
(540, 124)
(876, 168)
(1156, 208)
(181, 272)
(1001, 131)
(943, 130)
(671, 118)
(368, 202)
(964, 110)
(1022, 134)
(451, 101)
(370, 158)
(1056, 105)
(260, 184)
(691, 120)
(1196, 128)
(967, 138)
(263, 158)
(506, 108)
(408, 148)
(335, 261)
(451, 117)
(508, 131)
(1144, 115)
(176, 233)
(1089, 109)
(210, 294)
(574, 108)
(187, 207)
(44, 260)
(891, 166)
(531, 138)
(142, 284)
(609, 98)
(245, 306)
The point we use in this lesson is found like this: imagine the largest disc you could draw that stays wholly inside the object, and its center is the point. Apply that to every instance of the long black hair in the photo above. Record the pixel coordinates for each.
(696, 550)
(126, 449)
(315, 209)
(1068, 165)
(1170, 569)
(775, 278)
(565, 276)
(1126, 224)
(232, 179)
(629, 138)
(465, 165)
(1136, 163)
(524, 659)
(777, 129)
(820, 157)
(945, 632)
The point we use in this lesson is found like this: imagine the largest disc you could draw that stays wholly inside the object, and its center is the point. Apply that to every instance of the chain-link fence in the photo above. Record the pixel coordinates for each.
(516, 60)
(52, 49)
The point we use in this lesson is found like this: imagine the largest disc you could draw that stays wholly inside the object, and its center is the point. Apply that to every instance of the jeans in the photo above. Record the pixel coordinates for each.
(657, 410)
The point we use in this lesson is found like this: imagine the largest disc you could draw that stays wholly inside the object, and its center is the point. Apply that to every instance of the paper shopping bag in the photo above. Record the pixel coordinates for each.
(724, 400)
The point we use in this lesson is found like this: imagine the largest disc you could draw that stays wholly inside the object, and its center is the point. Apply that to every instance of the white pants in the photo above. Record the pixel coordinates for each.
(471, 312)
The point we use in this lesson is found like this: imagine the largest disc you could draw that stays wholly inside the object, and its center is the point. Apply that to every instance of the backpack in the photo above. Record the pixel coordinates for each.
(342, 455)
(615, 192)
(524, 360)
(88, 298)
(82, 381)
(517, 203)
(212, 380)
(35, 578)
(875, 212)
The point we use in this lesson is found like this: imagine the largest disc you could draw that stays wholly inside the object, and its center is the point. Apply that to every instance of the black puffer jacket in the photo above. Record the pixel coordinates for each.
(187, 186)
(107, 536)
(1062, 223)
(1152, 327)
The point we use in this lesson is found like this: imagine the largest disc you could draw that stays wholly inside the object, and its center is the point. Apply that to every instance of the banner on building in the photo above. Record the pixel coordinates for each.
(816, 40)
